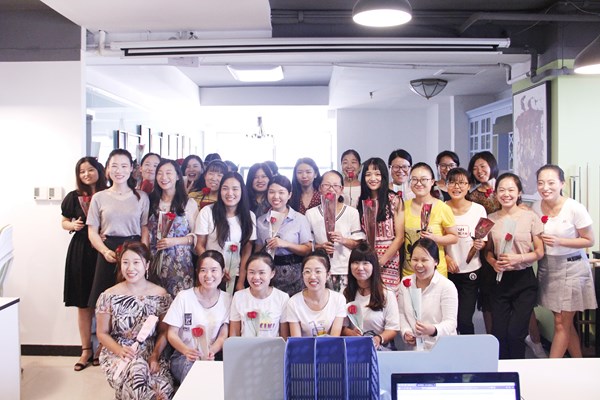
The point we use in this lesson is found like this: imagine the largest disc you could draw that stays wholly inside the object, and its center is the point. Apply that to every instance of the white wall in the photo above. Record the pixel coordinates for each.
(42, 127)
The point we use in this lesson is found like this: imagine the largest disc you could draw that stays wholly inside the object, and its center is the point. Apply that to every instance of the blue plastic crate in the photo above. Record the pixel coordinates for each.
(331, 368)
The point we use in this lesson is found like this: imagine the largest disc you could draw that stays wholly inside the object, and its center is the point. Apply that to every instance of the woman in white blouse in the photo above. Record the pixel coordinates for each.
(316, 311)
(439, 298)
(564, 275)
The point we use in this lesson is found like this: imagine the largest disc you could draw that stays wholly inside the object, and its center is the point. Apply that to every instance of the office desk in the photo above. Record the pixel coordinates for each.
(556, 378)
(204, 381)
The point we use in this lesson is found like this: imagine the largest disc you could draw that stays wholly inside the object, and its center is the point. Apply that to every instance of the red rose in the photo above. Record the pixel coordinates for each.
(351, 175)
(406, 282)
(489, 192)
(197, 332)
(544, 219)
(233, 248)
(368, 203)
(171, 216)
(179, 161)
(205, 191)
(87, 199)
(508, 237)
(329, 196)
(273, 220)
(119, 250)
(352, 309)
(252, 314)
(400, 193)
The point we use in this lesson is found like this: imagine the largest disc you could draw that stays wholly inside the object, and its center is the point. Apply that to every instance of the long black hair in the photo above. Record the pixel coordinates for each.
(179, 200)
(131, 183)
(250, 181)
(219, 212)
(384, 212)
(363, 252)
(297, 187)
(82, 188)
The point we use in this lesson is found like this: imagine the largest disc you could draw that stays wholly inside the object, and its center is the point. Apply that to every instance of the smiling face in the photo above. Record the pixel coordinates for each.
(445, 165)
(133, 267)
(481, 171)
(166, 177)
(193, 169)
(361, 270)
(508, 192)
(422, 263)
(149, 168)
(421, 181)
(350, 165)
(373, 178)
(331, 183)
(260, 181)
(213, 180)
(88, 174)
(259, 275)
(210, 273)
(231, 192)
(314, 274)
(399, 170)
(549, 185)
(278, 197)
(458, 187)
(305, 175)
(119, 168)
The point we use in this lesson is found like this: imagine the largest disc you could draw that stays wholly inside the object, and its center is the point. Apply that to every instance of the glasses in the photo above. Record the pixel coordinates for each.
(447, 166)
(397, 168)
(327, 186)
(423, 181)
(460, 184)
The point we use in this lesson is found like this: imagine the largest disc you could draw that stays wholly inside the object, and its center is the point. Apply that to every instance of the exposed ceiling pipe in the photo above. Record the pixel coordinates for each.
(486, 16)
(549, 73)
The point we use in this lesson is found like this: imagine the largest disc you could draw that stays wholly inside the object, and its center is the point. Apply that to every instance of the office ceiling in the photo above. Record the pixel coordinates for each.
(360, 79)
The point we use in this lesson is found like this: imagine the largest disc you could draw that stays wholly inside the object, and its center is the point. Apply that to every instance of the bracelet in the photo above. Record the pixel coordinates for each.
(381, 343)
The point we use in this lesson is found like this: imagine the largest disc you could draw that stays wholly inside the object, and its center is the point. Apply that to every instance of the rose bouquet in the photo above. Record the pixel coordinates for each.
(328, 202)
(164, 224)
(425, 214)
(416, 300)
(355, 316)
(370, 209)
(84, 202)
(484, 226)
(506, 244)
(232, 261)
(200, 339)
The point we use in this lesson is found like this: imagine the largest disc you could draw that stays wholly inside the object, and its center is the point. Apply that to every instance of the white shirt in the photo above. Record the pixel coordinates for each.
(572, 216)
(270, 311)
(316, 323)
(347, 222)
(439, 306)
(378, 321)
(465, 224)
(186, 313)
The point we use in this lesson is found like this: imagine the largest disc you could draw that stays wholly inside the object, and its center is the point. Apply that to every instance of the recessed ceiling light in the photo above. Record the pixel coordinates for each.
(256, 73)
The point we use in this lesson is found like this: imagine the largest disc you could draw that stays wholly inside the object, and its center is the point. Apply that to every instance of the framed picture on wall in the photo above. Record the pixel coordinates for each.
(531, 135)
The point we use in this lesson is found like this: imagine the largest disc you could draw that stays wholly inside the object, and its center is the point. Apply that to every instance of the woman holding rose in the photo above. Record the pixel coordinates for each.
(81, 256)
(564, 274)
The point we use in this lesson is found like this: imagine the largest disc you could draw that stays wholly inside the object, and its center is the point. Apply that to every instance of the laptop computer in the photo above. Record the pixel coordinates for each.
(459, 386)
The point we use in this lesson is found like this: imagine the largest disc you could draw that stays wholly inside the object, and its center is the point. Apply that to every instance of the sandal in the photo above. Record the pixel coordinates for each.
(96, 357)
(81, 366)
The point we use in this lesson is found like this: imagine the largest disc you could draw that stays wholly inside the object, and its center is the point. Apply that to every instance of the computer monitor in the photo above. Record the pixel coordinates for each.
(459, 386)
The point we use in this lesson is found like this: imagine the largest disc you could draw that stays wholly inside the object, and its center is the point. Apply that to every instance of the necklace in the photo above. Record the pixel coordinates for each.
(364, 291)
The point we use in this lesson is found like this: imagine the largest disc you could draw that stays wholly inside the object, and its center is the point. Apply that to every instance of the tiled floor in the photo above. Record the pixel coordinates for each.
(53, 378)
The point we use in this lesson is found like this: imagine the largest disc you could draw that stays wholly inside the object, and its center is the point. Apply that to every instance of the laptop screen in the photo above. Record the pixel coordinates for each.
(459, 386)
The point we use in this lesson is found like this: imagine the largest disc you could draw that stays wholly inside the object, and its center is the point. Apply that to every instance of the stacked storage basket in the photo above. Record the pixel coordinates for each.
(332, 368)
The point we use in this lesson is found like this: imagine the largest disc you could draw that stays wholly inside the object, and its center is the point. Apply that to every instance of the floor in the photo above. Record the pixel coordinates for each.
(53, 378)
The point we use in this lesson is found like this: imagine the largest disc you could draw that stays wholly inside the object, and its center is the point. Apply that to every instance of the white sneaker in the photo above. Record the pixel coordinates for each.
(537, 348)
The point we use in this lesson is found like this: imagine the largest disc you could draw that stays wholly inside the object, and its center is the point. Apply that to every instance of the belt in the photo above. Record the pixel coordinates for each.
(574, 258)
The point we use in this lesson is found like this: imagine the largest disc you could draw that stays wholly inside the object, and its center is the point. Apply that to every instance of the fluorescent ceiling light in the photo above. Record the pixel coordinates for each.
(382, 13)
(588, 61)
(263, 73)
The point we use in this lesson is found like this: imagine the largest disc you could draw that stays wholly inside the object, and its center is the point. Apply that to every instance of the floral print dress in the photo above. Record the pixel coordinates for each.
(128, 314)
(171, 268)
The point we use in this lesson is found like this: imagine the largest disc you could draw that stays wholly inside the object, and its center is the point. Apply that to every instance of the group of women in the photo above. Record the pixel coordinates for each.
(208, 256)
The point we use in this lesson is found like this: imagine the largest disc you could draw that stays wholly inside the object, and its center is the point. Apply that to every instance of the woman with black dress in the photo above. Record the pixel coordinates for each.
(81, 256)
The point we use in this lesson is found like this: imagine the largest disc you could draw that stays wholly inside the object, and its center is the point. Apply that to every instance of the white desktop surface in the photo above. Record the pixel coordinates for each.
(204, 381)
(556, 378)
